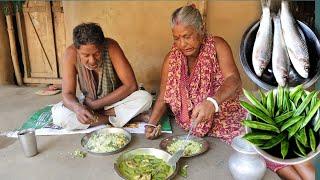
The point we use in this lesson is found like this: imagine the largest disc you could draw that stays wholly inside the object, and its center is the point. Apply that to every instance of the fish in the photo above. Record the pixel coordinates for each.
(280, 58)
(295, 41)
(262, 48)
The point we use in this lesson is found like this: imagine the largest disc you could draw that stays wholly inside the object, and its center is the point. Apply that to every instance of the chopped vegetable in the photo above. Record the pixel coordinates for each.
(79, 154)
(100, 143)
(183, 171)
(145, 167)
(192, 147)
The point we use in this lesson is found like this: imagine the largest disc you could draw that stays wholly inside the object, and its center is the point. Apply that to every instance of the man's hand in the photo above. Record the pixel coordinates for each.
(203, 112)
(83, 114)
(90, 103)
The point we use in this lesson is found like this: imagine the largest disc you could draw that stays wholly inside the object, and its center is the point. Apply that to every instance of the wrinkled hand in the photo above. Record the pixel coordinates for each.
(203, 112)
(152, 132)
(84, 115)
(90, 103)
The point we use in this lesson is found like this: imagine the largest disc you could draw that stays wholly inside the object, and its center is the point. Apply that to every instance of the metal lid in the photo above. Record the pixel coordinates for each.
(241, 145)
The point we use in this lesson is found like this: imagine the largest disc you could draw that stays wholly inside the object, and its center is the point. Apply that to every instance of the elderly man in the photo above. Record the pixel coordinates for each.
(106, 80)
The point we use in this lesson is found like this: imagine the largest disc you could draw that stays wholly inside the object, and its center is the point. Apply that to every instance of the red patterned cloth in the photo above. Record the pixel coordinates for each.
(184, 92)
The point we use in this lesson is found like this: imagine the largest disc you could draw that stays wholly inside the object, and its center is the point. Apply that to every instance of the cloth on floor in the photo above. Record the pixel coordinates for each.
(42, 121)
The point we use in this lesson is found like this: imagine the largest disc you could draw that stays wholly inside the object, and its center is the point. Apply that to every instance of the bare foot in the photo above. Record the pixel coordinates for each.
(143, 117)
(100, 119)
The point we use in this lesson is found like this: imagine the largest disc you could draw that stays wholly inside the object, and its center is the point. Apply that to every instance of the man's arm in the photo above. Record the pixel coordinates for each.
(69, 85)
(125, 74)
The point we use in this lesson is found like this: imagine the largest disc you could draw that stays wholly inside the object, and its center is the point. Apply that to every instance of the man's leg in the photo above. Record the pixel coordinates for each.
(66, 118)
(128, 108)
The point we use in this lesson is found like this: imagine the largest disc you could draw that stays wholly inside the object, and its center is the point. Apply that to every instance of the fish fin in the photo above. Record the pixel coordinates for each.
(301, 33)
(265, 3)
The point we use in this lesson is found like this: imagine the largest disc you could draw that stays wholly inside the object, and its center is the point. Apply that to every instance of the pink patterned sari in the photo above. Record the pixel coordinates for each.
(184, 92)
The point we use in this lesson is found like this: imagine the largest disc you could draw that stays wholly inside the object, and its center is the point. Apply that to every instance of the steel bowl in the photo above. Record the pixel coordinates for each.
(158, 153)
(85, 139)
(169, 140)
(267, 81)
(290, 161)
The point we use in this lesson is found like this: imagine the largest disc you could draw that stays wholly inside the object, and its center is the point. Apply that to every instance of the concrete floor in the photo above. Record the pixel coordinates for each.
(55, 161)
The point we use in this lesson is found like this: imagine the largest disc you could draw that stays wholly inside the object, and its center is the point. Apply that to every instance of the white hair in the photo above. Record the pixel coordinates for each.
(187, 15)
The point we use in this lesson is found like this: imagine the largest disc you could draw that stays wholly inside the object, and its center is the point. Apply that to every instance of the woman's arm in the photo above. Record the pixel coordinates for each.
(205, 110)
(229, 70)
(160, 105)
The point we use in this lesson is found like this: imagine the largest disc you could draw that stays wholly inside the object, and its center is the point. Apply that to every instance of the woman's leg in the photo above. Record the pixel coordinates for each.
(305, 170)
(288, 173)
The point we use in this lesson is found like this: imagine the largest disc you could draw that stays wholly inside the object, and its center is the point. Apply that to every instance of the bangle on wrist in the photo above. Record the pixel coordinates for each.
(215, 103)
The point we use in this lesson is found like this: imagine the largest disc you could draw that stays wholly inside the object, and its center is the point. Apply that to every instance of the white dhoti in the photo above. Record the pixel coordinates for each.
(125, 110)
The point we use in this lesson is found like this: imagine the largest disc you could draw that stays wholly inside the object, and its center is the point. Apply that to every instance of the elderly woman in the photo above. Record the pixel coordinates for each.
(201, 84)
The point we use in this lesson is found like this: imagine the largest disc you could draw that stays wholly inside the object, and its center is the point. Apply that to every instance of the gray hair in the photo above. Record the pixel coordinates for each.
(187, 15)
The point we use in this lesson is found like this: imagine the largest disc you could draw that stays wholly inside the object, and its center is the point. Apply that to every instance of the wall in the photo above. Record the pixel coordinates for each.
(142, 28)
(230, 19)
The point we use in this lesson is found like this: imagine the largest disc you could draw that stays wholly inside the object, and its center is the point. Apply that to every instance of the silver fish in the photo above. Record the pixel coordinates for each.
(295, 41)
(280, 57)
(262, 47)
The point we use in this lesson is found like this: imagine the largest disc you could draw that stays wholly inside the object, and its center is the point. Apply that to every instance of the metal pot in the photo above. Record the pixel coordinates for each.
(158, 153)
(267, 80)
(245, 163)
(292, 161)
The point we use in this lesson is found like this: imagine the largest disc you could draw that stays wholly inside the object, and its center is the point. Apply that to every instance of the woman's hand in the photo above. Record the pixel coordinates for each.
(203, 112)
(152, 132)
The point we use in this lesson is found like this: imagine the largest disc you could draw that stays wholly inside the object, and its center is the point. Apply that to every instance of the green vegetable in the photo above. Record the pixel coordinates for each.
(183, 171)
(257, 142)
(283, 117)
(299, 154)
(294, 129)
(302, 136)
(192, 147)
(273, 142)
(256, 112)
(79, 154)
(102, 142)
(301, 148)
(297, 97)
(270, 103)
(312, 140)
(295, 91)
(279, 97)
(256, 103)
(303, 105)
(258, 135)
(317, 125)
(310, 114)
(260, 125)
(284, 148)
(263, 98)
(290, 122)
(140, 167)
